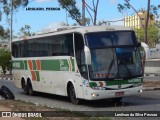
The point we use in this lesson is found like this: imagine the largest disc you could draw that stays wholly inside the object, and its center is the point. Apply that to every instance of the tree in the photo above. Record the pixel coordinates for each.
(16, 4)
(94, 10)
(6, 34)
(70, 6)
(5, 59)
(74, 13)
(25, 31)
(5, 6)
(151, 9)
(1, 31)
(152, 35)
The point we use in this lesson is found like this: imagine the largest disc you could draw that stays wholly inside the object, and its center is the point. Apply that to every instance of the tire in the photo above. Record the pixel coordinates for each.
(30, 89)
(25, 88)
(117, 100)
(6, 93)
(72, 95)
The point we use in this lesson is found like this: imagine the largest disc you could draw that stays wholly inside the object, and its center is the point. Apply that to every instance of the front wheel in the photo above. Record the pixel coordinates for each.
(117, 100)
(72, 95)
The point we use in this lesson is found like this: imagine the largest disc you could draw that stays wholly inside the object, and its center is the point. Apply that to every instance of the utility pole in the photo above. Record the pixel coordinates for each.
(11, 25)
(83, 12)
(66, 18)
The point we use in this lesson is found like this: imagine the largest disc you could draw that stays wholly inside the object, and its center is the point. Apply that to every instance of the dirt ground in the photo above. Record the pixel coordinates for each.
(17, 105)
(152, 84)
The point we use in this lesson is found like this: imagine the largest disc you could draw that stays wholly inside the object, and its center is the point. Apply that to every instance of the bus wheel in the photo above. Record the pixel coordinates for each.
(117, 100)
(72, 95)
(30, 89)
(25, 88)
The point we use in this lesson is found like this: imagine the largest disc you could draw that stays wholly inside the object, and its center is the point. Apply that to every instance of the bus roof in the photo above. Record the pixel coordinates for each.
(82, 30)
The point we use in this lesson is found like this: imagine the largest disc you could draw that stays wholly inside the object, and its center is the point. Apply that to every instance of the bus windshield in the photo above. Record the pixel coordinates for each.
(114, 55)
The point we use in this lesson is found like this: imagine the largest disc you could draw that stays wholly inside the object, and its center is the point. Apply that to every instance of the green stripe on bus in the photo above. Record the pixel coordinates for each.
(18, 65)
(25, 65)
(121, 82)
(53, 65)
(117, 82)
(72, 62)
(37, 75)
(92, 84)
(50, 65)
(34, 65)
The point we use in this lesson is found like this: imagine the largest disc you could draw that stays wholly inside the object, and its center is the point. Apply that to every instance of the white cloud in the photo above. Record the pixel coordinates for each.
(113, 1)
(41, 1)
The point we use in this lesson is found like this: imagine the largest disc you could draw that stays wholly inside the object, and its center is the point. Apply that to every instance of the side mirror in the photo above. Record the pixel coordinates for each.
(87, 55)
(138, 44)
(143, 54)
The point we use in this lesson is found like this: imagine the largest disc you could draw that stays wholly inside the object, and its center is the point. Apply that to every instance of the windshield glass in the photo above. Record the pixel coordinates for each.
(129, 63)
(108, 39)
(104, 64)
(113, 55)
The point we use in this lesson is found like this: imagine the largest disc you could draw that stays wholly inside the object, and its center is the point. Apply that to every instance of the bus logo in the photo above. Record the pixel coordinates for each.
(119, 86)
(16, 65)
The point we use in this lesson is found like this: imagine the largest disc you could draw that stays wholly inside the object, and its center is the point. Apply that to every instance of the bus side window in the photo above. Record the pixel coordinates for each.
(15, 50)
(69, 44)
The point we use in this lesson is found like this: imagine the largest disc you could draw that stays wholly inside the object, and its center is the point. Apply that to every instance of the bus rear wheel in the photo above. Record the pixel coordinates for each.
(72, 95)
(30, 89)
(25, 88)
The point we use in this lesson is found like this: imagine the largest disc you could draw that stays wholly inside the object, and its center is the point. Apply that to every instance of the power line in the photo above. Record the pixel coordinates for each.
(105, 22)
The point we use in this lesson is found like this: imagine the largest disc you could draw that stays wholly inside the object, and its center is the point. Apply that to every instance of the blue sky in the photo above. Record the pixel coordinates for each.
(39, 20)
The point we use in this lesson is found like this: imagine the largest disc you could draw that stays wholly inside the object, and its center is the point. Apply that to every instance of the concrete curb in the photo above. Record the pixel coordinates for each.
(150, 89)
(5, 78)
(151, 75)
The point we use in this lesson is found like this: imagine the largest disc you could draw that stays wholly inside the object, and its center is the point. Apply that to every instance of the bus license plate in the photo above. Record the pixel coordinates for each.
(119, 93)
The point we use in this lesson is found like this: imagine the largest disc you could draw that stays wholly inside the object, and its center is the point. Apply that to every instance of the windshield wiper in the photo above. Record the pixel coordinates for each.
(110, 67)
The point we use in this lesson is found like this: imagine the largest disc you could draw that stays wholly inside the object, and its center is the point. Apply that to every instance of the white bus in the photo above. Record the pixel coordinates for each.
(88, 63)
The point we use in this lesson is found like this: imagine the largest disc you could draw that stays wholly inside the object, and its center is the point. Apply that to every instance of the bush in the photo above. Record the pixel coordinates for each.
(5, 59)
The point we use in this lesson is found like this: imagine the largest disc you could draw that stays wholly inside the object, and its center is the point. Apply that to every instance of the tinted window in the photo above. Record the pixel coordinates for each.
(105, 39)
(47, 46)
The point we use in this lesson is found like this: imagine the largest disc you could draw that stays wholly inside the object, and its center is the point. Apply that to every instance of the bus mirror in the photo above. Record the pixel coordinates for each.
(143, 54)
(87, 55)
(139, 44)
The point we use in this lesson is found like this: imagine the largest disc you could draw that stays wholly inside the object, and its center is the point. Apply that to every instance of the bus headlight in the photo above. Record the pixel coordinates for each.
(140, 91)
(94, 94)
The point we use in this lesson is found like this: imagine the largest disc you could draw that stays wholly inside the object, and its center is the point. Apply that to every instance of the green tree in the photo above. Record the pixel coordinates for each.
(152, 35)
(25, 31)
(70, 6)
(5, 8)
(5, 59)
(1, 31)
(6, 5)
(6, 34)
(151, 9)
(74, 12)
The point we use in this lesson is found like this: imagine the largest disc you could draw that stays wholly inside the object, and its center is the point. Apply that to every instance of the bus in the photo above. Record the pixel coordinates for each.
(90, 63)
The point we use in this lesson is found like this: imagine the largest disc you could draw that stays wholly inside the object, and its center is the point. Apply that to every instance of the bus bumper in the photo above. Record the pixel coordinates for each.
(104, 94)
